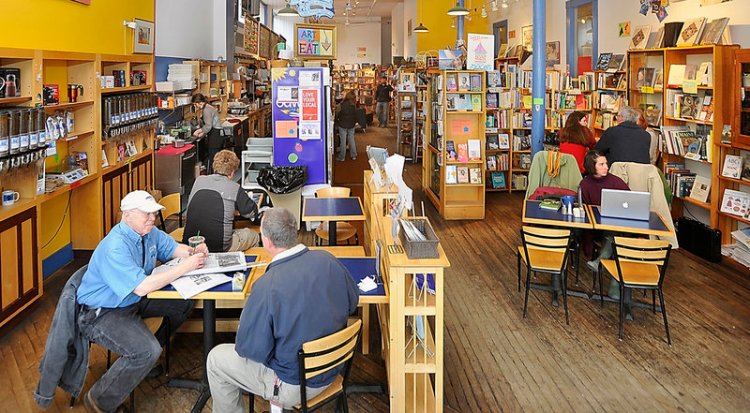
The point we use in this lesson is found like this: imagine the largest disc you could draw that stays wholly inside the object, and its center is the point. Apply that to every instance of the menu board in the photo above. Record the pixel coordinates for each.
(251, 36)
(265, 42)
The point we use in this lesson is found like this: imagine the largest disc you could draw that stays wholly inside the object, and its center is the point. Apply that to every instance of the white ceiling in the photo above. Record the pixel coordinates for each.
(365, 8)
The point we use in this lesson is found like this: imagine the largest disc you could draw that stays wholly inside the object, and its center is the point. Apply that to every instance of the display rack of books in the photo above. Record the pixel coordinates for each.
(406, 123)
(461, 127)
(366, 83)
(345, 80)
(734, 175)
(432, 161)
(499, 106)
(611, 80)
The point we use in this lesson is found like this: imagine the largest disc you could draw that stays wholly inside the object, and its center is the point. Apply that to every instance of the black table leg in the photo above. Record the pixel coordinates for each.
(332, 241)
(209, 332)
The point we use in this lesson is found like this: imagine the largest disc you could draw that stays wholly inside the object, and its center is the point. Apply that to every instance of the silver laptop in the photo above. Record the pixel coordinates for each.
(626, 204)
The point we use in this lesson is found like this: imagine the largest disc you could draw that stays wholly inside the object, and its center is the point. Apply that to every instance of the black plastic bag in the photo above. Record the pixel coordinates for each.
(282, 179)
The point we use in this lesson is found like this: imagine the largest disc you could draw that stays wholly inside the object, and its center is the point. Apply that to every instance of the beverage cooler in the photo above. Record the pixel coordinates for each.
(302, 121)
(175, 170)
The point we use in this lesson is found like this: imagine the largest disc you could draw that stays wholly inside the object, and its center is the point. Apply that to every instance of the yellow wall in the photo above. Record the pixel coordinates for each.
(65, 25)
(435, 17)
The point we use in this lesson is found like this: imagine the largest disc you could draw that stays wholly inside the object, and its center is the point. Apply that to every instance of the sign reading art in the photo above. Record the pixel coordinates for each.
(314, 8)
(315, 41)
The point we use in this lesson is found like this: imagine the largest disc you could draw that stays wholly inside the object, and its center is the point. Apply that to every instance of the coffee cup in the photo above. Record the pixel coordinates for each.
(193, 241)
(10, 197)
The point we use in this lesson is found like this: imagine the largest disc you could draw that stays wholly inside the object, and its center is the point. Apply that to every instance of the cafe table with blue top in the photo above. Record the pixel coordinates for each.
(332, 210)
(220, 292)
(534, 214)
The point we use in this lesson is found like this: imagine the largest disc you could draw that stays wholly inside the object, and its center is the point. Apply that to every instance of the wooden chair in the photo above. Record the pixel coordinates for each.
(638, 264)
(544, 250)
(344, 230)
(321, 355)
(172, 205)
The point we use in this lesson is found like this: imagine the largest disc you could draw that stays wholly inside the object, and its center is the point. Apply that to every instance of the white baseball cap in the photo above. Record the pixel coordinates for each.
(141, 200)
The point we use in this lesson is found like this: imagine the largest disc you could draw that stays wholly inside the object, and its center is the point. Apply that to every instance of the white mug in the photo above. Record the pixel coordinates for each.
(10, 197)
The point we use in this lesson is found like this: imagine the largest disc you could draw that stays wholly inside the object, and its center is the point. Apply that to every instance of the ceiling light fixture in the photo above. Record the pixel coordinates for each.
(421, 28)
(458, 11)
(484, 12)
(494, 5)
(505, 4)
(288, 11)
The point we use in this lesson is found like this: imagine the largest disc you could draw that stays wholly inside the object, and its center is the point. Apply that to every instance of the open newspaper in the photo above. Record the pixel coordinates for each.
(210, 275)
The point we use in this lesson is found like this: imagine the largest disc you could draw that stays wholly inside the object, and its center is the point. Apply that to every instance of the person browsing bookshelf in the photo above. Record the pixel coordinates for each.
(576, 137)
(383, 98)
(625, 142)
(346, 119)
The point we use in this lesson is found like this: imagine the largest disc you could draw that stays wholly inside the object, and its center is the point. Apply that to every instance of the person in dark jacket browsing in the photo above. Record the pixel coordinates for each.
(626, 142)
(304, 295)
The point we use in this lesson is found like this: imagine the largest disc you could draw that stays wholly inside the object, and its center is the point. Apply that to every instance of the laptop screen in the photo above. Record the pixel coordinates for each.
(626, 204)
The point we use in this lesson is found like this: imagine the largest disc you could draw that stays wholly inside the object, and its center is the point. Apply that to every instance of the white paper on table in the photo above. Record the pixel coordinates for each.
(367, 284)
(219, 262)
(190, 285)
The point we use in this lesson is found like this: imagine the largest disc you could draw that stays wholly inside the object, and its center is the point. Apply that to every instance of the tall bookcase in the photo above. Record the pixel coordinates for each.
(406, 124)
(609, 97)
(46, 221)
(459, 123)
(721, 89)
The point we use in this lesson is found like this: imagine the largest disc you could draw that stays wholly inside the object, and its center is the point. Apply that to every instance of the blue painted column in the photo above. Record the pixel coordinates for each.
(539, 65)
(459, 26)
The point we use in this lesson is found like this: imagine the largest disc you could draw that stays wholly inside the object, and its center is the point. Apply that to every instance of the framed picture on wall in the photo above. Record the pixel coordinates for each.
(553, 53)
(143, 36)
(315, 41)
(527, 37)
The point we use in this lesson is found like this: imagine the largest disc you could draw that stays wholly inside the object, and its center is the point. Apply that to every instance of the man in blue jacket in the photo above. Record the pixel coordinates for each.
(304, 295)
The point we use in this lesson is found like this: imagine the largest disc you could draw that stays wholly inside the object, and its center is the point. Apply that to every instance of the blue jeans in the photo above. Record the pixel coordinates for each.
(381, 109)
(123, 331)
(346, 135)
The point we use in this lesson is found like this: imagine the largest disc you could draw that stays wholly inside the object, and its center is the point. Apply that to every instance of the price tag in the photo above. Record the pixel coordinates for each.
(690, 86)
(647, 89)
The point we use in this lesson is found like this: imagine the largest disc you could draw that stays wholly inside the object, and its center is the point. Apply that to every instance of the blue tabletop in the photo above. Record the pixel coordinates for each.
(226, 287)
(534, 212)
(361, 267)
(654, 222)
(332, 207)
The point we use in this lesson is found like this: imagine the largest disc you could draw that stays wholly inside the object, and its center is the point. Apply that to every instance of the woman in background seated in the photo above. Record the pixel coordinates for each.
(598, 178)
(576, 137)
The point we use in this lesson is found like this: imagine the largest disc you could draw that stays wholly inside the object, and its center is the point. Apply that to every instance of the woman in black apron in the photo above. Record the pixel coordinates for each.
(210, 130)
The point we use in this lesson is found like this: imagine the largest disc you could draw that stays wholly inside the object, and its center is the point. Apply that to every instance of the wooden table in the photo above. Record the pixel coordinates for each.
(332, 210)
(209, 297)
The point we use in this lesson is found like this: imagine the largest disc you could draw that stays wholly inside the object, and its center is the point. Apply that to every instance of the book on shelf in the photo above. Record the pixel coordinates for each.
(475, 152)
(689, 107)
(639, 38)
(691, 72)
(520, 181)
(498, 180)
(450, 150)
(672, 33)
(451, 83)
(651, 40)
(476, 103)
(603, 62)
(463, 82)
(658, 79)
(706, 112)
(745, 176)
(659, 40)
(463, 152)
(492, 100)
(735, 203)
(652, 111)
(490, 123)
(732, 166)
(616, 63)
(713, 31)
(491, 163)
(691, 31)
(475, 81)
(550, 203)
(493, 78)
(701, 188)
(644, 77)
(475, 175)
(676, 75)
(463, 174)
(503, 141)
(451, 176)
(493, 143)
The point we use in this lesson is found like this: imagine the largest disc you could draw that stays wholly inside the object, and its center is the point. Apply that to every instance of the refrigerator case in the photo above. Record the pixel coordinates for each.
(302, 121)
(175, 170)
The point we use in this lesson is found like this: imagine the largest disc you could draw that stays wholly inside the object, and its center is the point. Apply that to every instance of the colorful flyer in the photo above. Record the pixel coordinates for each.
(480, 52)
(310, 105)
(309, 78)
(309, 130)
(286, 129)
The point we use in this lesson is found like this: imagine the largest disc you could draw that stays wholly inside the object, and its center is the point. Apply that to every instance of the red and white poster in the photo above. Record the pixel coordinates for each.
(310, 104)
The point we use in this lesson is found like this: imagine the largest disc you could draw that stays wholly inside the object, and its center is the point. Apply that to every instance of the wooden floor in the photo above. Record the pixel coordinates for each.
(494, 359)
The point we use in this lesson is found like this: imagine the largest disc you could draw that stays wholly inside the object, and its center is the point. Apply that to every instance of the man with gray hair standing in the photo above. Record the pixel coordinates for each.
(626, 142)
(304, 295)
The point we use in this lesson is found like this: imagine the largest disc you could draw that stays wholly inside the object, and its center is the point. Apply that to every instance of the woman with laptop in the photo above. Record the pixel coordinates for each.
(598, 178)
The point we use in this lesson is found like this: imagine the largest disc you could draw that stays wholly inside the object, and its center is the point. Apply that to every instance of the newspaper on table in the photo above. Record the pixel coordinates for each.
(216, 262)
(190, 285)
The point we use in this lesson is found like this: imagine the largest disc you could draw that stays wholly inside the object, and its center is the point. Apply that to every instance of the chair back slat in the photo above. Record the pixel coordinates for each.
(547, 239)
(641, 250)
(330, 351)
(333, 192)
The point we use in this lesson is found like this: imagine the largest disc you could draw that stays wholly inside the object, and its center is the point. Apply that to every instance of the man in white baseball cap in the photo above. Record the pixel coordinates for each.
(112, 298)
